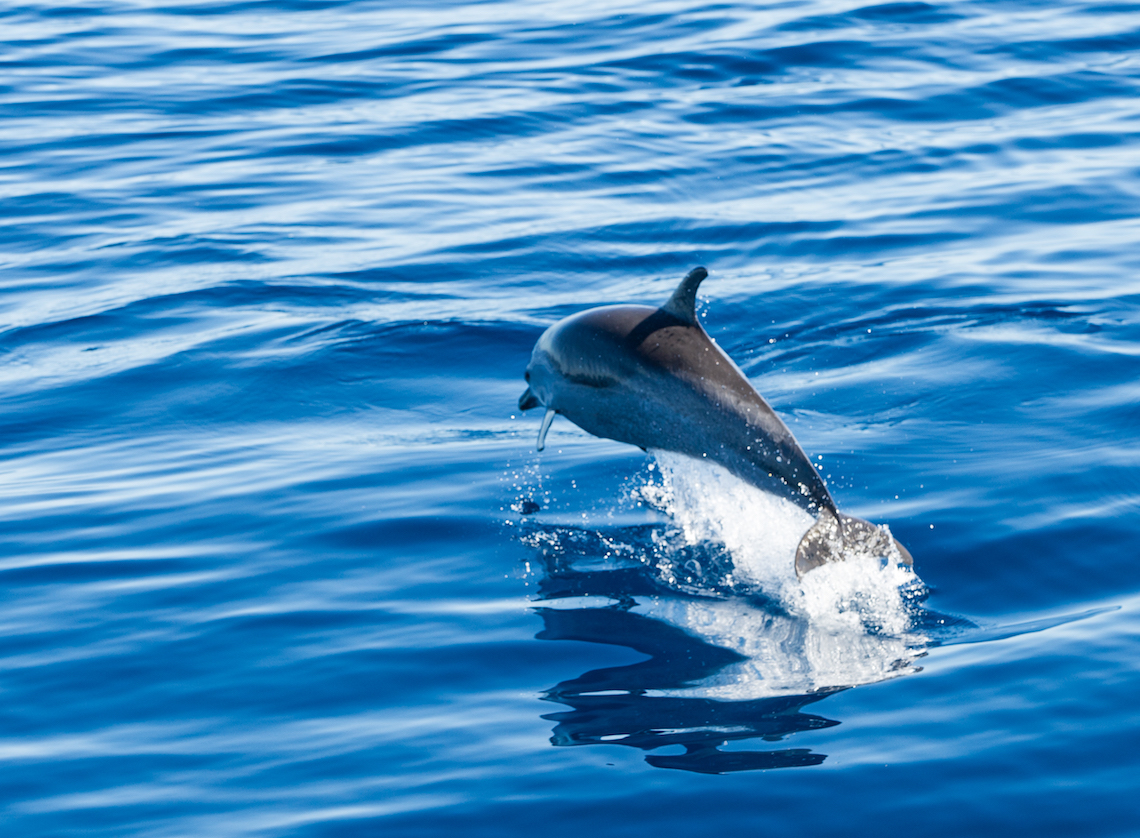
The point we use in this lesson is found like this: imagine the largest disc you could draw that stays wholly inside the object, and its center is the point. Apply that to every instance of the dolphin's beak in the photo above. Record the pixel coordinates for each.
(528, 400)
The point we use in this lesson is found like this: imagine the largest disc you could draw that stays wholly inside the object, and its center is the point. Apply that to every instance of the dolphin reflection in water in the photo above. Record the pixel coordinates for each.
(652, 377)
(630, 705)
(721, 670)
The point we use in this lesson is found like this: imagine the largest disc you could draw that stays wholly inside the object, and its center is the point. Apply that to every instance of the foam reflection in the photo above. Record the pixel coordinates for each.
(721, 668)
(639, 706)
(737, 646)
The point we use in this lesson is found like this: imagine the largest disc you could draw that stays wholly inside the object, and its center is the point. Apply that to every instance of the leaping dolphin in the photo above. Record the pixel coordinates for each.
(652, 377)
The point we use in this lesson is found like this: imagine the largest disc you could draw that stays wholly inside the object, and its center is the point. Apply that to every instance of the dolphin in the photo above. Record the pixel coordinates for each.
(652, 377)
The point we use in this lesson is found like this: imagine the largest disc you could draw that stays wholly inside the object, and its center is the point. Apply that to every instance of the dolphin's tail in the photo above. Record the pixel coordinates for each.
(832, 538)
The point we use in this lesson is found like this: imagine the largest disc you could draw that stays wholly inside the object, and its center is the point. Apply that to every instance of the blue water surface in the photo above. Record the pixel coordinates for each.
(272, 273)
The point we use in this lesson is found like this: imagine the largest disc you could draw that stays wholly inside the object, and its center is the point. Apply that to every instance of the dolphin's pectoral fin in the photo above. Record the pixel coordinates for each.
(683, 303)
(831, 539)
(528, 400)
(546, 420)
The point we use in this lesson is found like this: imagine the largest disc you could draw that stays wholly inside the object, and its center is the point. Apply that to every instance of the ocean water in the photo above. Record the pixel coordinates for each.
(279, 557)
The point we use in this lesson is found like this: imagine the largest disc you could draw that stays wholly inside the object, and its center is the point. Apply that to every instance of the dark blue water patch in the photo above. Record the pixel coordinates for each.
(972, 633)
(65, 11)
(1076, 141)
(421, 531)
(23, 229)
(447, 131)
(74, 55)
(204, 56)
(901, 14)
(125, 322)
(698, 67)
(802, 240)
(444, 272)
(169, 138)
(1061, 89)
(206, 9)
(568, 263)
(601, 36)
(293, 93)
(80, 572)
(319, 301)
(630, 232)
(1060, 204)
(574, 178)
(719, 68)
(211, 9)
(184, 250)
(282, 294)
(30, 238)
(409, 49)
(310, 378)
(904, 311)
(40, 203)
(835, 54)
(905, 13)
(982, 102)
(1049, 50)
(861, 246)
(854, 168)
(531, 171)
(470, 130)
(172, 681)
(1028, 572)
(1110, 9)
(405, 350)
(200, 102)
(735, 802)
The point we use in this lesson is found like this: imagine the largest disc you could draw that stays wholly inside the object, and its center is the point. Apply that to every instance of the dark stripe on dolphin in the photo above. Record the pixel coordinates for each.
(660, 319)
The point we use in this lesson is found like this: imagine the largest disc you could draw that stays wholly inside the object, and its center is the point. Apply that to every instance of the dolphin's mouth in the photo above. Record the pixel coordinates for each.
(528, 400)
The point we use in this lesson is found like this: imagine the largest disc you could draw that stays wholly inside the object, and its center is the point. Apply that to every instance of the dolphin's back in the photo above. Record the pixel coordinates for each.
(645, 376)
(652, 377)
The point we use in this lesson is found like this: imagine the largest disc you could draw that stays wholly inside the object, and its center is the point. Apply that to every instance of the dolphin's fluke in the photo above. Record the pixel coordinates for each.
(819, 544)
(683, 303)
(546, 420)
(831, 539)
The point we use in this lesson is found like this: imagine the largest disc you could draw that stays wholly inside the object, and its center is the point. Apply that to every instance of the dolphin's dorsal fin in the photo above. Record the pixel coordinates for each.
(683, 303)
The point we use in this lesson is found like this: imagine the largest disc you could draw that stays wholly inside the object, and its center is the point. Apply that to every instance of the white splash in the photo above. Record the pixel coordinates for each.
(709, 504)
(844, 623)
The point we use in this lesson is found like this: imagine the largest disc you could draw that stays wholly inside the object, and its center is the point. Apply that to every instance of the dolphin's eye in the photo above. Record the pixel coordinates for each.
(526, 375)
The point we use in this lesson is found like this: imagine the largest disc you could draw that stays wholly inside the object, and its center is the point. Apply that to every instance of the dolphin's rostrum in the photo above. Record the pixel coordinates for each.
(652, 377)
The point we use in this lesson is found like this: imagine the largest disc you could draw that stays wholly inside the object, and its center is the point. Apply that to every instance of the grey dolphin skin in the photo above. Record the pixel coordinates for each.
(652, 377)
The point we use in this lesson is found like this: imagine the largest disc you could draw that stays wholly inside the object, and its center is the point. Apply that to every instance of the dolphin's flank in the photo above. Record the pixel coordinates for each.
(652, 377)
